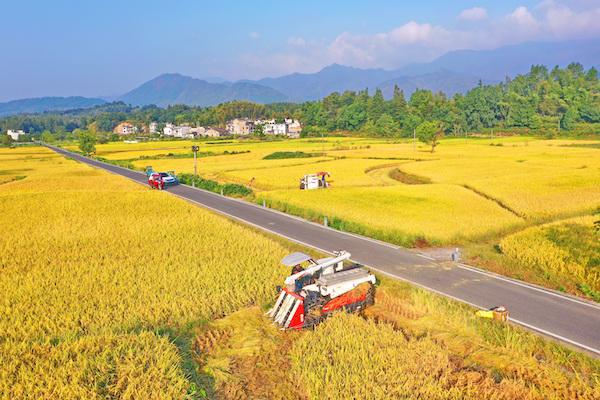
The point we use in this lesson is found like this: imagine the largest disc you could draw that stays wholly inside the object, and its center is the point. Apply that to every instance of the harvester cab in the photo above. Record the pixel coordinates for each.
(316, 288)
(315, 181)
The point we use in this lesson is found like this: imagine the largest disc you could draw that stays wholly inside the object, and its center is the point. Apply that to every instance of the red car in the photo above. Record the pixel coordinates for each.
(156, 181)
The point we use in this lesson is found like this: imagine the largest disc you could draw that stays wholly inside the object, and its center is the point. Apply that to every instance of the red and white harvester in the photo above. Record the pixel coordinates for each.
(311, 294)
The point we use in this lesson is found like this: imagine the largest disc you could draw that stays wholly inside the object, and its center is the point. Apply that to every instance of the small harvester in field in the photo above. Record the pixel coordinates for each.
(315, 181)
(311, 294)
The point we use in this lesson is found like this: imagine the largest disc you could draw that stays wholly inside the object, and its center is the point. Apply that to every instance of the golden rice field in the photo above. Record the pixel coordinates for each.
(534, 179)
(104, 298)
(90, 274)
(470, 192)
(437, 213)
(566, 252)
(412, 344)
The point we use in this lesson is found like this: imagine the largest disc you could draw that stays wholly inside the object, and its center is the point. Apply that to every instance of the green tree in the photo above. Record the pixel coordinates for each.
(430, 132)
(259, 130)
(352, 117)
(47, 137)
(6, 140)
(398, 104)
(376, 105)
(87, 142)
(569, 119)
(386, 126)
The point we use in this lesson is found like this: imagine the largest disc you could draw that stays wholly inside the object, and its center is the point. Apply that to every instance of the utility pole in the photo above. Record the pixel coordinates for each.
(414, 139)
(195, 150)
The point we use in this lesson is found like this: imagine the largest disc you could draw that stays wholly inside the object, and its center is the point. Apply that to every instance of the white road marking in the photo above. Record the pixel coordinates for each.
(515, 282)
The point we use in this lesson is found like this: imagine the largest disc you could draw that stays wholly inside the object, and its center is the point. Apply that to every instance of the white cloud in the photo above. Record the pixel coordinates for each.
(473, 14)
(523, 18)
(422, 41)
(297, 41)
(254, 35)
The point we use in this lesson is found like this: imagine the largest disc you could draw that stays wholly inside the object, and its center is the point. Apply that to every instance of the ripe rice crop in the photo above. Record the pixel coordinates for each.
(566, 253)
(543, 179)
(399, 214)
(424, 346)
(343, 173)
(89, 262)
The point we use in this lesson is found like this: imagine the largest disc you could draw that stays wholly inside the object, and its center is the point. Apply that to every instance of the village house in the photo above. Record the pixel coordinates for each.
(14, 134)
(125, 128)
(215, 132)
(153, 127)
(179, 131)
(240, 126)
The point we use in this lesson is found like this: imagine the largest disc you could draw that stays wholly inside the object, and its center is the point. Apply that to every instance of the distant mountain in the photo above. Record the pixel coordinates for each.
(334, 78)
(170, 89)
(445, 81)
(454, 72)
(495, 65)
(43, 104)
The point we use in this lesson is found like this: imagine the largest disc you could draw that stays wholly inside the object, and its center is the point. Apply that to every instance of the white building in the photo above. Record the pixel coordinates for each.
(179, 131)
(280, 129)
(15, 134)
(125, 128)
(153, 127)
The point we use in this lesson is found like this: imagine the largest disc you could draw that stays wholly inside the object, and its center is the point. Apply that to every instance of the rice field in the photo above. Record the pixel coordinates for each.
(470, 192)
(566, 253)
(536, 180)
(104, 298)
(411, 344)
(400, 214)
(91, 274)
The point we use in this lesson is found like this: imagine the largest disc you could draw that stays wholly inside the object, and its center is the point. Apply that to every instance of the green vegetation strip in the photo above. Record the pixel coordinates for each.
(290, 154)
(227, 189)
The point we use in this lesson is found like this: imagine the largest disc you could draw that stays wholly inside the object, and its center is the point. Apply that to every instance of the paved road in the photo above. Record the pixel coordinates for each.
(562, 317)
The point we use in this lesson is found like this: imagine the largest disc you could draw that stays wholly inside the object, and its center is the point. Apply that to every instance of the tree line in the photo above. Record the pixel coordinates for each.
(543, 101)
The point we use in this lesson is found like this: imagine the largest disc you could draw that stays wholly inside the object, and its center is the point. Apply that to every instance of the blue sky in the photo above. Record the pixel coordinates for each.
(100, 48)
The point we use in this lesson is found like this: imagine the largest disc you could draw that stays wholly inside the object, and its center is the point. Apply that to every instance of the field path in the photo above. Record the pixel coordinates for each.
(565, 318)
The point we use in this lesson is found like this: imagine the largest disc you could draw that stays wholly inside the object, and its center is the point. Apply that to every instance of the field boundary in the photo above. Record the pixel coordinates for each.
(495, 200)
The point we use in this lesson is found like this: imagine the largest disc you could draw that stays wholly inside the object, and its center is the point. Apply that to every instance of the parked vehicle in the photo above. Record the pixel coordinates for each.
(169, 178)
(156, 181)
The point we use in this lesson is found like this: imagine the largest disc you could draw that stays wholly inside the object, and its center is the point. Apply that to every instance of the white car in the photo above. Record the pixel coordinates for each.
(168, 179)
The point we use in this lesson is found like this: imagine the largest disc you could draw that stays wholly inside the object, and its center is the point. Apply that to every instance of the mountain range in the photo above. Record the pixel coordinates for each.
(43, 104)
(454, 72)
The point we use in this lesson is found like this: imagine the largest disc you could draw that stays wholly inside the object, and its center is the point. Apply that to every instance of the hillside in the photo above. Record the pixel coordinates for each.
(43, 104)
(496, 64)
(168, 89)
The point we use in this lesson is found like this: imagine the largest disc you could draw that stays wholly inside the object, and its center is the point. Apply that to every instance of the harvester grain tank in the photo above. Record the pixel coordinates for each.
(315, 181)
(311, 294)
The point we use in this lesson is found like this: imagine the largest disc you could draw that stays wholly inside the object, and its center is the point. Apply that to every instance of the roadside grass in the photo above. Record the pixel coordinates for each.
(400, 214)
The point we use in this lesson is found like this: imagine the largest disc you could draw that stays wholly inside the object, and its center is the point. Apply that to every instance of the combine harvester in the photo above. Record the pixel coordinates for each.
(315, 181)
(311, 294)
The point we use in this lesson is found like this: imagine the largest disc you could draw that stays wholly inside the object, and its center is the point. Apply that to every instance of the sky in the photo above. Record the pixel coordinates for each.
(106, 48)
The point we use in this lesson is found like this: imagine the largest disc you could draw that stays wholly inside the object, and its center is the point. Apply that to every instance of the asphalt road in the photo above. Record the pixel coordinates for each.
(565, 318)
